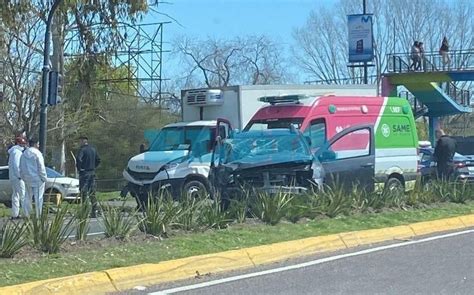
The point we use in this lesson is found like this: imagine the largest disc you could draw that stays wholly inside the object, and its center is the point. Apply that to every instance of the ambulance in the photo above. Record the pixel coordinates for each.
(359, 140)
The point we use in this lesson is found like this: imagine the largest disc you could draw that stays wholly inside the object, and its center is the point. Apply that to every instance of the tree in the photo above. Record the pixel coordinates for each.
(321, 44)
(220, 63)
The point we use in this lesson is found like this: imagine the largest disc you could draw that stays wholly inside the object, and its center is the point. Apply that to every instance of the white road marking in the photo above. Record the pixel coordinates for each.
(306, 264)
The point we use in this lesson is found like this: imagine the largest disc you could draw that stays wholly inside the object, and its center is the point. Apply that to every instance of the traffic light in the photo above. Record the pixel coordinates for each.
(55, 88)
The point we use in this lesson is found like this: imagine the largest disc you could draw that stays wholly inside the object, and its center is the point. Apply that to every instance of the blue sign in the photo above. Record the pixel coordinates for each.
(361, 47)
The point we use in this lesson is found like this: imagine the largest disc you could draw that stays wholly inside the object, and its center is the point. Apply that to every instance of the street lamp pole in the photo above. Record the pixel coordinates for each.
(45, 79)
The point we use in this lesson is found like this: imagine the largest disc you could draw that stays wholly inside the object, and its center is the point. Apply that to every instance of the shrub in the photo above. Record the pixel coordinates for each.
(116, 223)
(334, 201)
(14, 237)
(190, 210)
(82, 214)
(299, 207)
(159, 215)
(271, 208)
(48, 235)
(213, 214)
(239, 207)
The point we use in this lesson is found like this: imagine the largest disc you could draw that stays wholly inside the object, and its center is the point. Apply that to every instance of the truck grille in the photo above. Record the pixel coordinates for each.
(141, 175)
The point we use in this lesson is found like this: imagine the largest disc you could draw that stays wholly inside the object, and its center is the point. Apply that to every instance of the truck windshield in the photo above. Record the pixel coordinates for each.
(182, 138)
(274, 124)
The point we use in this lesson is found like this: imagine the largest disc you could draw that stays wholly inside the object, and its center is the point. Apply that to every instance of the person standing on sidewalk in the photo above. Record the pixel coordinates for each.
(33, 173)
(87, 160)
(18, 186)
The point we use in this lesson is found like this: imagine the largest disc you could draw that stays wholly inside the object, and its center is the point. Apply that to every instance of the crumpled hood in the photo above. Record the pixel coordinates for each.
(150, 162)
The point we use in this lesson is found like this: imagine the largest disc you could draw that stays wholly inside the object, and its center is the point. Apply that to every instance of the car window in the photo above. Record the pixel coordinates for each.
(317, 133)
(50, 173)
(4, 174)
(353, 144)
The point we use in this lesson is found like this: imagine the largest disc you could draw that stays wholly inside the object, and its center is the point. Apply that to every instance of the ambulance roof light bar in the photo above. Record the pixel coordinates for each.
(294, 98)
(283, 99)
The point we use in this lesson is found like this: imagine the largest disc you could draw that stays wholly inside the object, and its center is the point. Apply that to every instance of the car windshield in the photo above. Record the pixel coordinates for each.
(274, 124)
(181, 138)
(50, 173)
(253, 147)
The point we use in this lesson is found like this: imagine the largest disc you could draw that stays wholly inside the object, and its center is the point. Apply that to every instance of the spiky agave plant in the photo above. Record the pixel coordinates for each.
(271, 208)
(116, 223)
(159, 215)
(213, 215)
(82, 214)
(14, 237)
(48, 234)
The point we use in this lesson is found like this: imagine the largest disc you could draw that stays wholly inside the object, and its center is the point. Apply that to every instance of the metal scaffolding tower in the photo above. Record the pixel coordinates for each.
(141, 53)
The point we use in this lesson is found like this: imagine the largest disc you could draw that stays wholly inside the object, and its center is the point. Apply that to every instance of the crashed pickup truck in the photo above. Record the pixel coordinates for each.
(270, 161)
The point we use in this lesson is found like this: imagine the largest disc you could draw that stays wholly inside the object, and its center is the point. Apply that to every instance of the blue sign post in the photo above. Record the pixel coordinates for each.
(361, 47)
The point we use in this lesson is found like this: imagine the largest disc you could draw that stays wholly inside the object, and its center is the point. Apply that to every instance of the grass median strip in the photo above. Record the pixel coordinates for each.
(110, 253)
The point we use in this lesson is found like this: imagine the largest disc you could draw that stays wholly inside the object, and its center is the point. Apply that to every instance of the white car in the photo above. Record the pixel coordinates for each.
(67, 187)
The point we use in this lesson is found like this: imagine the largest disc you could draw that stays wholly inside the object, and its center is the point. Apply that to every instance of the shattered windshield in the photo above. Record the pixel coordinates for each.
(268, 146)
(182, 138)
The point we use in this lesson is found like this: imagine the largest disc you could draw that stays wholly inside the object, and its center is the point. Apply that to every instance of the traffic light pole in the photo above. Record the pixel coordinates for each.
(45, 80)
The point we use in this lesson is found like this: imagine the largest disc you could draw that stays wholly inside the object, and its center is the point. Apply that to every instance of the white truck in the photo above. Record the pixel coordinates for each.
(178, 158)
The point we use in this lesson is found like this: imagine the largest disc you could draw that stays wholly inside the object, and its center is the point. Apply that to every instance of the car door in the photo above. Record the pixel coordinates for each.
(5, 185)
(223, 130)
(349, 158)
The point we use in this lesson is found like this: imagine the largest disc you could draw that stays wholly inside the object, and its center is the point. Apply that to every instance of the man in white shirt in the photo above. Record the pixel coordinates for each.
(18, 186)
(33, 172)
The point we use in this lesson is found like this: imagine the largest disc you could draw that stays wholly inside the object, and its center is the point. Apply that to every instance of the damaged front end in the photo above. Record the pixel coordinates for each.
(270, 161)
(281, 178)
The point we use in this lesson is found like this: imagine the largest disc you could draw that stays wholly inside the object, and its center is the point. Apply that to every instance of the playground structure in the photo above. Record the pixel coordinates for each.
(434, 87)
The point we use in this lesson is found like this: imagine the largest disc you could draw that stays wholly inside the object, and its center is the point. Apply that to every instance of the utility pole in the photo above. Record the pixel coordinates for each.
(364, 4)
(45, 79)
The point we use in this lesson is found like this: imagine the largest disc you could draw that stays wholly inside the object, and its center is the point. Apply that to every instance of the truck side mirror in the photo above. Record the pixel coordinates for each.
(142, 148)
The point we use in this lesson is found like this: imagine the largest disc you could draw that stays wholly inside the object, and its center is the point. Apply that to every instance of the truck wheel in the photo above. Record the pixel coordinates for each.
(195, 188)
(394, 186)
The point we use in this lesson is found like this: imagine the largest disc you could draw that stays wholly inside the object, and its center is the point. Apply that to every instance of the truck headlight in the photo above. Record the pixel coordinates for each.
(170, 166)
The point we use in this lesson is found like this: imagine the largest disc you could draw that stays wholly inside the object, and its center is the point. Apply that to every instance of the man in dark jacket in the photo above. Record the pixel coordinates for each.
(87, 160)
(444, 153)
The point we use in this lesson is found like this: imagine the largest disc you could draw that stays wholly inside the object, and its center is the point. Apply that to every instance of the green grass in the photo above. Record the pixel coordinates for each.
(109, 196)
(94, 258)
(4, 211)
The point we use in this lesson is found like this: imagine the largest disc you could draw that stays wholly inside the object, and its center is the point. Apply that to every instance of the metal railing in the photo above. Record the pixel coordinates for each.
(456, 60)
(419, 109)
(461, 96)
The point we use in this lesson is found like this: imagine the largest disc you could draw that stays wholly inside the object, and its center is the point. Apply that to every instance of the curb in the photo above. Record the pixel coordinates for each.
(124, 278)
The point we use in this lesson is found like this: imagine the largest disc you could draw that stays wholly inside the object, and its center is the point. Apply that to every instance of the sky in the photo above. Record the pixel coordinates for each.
(230, 18)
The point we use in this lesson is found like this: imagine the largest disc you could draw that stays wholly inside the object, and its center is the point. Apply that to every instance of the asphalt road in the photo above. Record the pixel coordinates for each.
(436, 265)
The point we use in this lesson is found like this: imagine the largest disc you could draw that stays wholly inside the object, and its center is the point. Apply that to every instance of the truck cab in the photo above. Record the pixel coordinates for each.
(177, 160)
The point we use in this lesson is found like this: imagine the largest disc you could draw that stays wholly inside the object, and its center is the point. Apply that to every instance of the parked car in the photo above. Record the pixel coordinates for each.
(463, 166)
(271, 161)
(67, 187)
